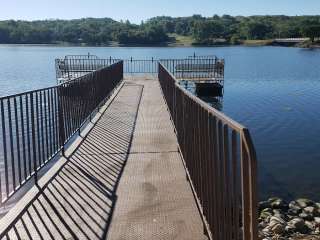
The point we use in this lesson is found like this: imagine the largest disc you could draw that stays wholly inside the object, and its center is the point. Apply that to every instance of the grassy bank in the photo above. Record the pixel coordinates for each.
(257, 42)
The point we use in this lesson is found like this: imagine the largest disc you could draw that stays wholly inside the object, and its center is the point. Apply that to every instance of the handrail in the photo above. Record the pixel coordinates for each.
(198, 67)
(220, 160)
(36, 125)
(70, 68)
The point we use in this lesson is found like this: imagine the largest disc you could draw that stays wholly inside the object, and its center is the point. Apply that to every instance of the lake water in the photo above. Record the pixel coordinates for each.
(273, 91)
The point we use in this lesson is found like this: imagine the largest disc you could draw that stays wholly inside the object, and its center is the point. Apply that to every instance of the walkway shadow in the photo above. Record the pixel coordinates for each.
(78, 202)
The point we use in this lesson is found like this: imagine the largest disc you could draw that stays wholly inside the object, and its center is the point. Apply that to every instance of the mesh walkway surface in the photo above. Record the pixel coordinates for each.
(125, 180)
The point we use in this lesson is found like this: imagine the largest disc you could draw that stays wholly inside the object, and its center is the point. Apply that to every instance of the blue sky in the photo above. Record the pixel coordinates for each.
(137, 10)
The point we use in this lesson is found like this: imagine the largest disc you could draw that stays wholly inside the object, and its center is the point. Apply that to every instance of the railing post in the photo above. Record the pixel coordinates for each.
(61, 121)
(33, 134)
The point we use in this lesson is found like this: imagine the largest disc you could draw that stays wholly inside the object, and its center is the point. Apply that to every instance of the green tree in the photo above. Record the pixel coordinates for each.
(258, 30)
(311, 31)
(205, 30)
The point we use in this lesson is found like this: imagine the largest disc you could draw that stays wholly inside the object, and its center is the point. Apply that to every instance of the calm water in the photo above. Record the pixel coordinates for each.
(273, 91)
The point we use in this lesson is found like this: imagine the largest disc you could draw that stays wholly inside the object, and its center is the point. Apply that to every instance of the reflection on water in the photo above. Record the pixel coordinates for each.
(274, 91)
(216, 102)
(213, 101)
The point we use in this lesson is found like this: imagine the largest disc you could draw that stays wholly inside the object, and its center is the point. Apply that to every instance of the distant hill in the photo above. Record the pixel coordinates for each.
(195, 29)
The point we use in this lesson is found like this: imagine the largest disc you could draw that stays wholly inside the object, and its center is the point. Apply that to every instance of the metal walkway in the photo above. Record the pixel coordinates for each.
(125, 180)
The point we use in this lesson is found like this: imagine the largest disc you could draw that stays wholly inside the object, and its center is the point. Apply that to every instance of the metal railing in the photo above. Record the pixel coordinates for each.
(71, 68)
(220, 160)
(196, 68)
(36, 125)
(137, 66)
(83, 56)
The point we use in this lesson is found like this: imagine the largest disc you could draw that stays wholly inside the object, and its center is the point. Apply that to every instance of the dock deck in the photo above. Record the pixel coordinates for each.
(124, 179)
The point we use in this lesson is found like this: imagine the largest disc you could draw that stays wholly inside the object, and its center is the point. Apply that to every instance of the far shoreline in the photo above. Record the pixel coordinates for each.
(246, 43)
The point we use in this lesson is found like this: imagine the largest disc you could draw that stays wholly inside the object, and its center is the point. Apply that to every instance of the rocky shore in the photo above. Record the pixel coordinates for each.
(299, 219)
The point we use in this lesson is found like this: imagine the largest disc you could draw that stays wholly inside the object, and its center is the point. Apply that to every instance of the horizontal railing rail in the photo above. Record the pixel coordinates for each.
(136, 66)
(83, 56)
(220, 160)
(35, 125)
(202, 68)
(71, 68)
(196, 68)
(203, 56)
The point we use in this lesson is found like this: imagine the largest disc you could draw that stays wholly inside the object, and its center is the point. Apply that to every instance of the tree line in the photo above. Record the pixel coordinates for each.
(204, 30)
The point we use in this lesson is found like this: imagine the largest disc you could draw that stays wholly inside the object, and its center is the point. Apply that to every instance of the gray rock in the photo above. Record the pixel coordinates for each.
(294, 205)
(304, 202)
(278, 203)
(265, 214)
(297, 225)
(264, 205)
(294, 212)
(310, 225)
(277, 220)
(266, 231)
(317, 220)
(311, 210)
(306, 216)
(290, 229)
(278, 228)
(263, 225)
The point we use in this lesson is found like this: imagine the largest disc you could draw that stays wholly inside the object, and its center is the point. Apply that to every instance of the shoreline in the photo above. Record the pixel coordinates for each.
(297, 219)
(247, 43)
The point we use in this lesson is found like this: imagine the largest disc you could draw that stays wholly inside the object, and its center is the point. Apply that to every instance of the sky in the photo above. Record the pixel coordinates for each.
(137, 10)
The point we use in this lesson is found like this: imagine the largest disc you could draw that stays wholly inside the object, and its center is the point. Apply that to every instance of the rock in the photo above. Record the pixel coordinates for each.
(265, 214)
(294, 205)
(290, 217)
(263, 225)
(280, 214)
(278, 203)
(277, 220)
(312, 210)
(294, 212)
(304, 202)
(278, 228)
(282, 221)
(297, 225)
(290, 229)
(310, 225)
(277, 225)
(264, 205)
(306, 216)
(266, 231)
